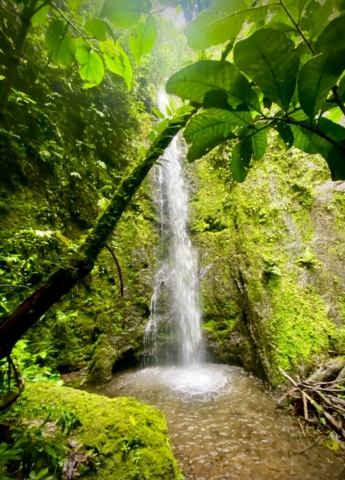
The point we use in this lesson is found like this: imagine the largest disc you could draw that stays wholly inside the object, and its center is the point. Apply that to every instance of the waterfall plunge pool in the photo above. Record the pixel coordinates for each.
(223, 425)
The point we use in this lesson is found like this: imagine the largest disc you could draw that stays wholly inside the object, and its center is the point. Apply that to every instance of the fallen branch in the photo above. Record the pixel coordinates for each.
(317, 405)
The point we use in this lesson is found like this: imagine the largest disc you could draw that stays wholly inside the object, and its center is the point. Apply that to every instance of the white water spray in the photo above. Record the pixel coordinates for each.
(177, 273)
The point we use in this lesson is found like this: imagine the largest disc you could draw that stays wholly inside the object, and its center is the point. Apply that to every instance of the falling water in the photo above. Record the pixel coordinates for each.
(177, 272)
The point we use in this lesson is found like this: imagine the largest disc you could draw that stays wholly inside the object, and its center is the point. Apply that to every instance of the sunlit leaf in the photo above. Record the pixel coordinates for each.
(268, 57)
(41, 14)
(117, 60)
(125, 13)
(195, 81)
(61, 47)
(143, 38)
(92, 68)
(96, 28)
(157, 112)
(220, 23)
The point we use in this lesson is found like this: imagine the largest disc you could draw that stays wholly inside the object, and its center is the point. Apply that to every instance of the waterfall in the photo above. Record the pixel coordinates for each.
(176, 281)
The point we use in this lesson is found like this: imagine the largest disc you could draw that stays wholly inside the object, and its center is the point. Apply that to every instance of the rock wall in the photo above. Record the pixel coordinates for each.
(272, 261)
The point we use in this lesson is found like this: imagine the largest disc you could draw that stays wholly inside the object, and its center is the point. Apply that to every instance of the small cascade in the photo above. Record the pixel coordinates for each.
(176, 281)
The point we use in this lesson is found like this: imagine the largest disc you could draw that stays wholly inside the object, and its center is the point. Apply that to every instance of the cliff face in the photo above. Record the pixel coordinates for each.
(272, 261)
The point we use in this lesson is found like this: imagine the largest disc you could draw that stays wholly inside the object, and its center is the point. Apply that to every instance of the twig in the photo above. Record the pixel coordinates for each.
(330, 390)
(305, 406)
(291, 380)
(286, 394)
(307, 448)
(301, 427)
(117, 266)
(311, 50)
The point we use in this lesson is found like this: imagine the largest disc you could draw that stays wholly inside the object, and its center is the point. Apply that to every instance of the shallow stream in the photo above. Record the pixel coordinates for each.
(223, 425)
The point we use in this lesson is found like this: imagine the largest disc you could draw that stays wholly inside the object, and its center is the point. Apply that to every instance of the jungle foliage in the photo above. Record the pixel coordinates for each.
(286, 72)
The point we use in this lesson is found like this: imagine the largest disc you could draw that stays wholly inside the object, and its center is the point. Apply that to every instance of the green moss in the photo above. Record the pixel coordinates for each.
(299, 331)
(131, 438)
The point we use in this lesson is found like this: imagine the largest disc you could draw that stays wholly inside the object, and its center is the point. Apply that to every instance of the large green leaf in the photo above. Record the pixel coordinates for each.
(240, 160)
(92, 68)
(220, 23)
(96, 28)
(268, 57)
(61, 47)
(143, 38)
(209, 129)
(316, 79)
(259, 143)
(117, 61)
(333, 36)
(196, 80)
(310, 142)
(41, 14)
(125, 13)
(321, 18)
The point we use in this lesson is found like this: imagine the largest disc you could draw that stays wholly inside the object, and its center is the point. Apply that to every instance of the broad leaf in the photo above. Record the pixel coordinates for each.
(259, 143)
(125, 13)
(218, 24)
(96, 28)
(143, 38)
(209, 129)
(61, 47)
(269, 59)
(285, 134)
(311, 142)
(117, 60)
(40, 16)
(316, 79)
(195, 81)
(333, 36)
(240, 160)
(321, 18)
(92, 68)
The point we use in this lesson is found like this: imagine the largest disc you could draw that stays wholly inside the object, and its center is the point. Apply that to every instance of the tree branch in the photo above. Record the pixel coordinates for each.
(14, 326)
(311, 50)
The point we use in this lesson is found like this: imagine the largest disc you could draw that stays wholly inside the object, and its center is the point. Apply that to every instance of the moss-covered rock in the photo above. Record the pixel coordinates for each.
(131, 438)
(273, 275)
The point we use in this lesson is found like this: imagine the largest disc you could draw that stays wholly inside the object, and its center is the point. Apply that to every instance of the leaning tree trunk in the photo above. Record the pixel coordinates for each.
(13, 327)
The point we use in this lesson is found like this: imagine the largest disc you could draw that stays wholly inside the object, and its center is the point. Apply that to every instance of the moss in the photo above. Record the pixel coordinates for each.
(269, 264)
(299, 333)
(131, 438)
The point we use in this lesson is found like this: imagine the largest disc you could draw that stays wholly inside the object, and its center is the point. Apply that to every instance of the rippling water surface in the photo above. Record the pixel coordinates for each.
(223, 425)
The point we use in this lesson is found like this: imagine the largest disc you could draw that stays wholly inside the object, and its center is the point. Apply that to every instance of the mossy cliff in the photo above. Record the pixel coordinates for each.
(272, 261)
(130, 439)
